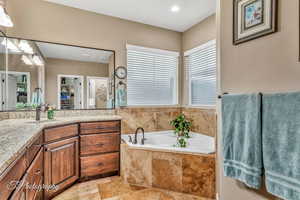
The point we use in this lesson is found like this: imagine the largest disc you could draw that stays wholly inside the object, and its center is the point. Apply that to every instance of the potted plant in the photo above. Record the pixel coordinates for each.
(182, 129)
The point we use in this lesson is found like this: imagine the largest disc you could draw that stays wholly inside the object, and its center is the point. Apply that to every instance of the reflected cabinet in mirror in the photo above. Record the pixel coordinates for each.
(65, 77)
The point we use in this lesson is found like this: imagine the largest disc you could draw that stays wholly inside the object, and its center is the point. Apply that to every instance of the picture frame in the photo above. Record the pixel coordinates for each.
(253, 19)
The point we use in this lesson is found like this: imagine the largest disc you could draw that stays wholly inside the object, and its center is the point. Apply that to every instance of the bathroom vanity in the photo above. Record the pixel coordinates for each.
(60, 154)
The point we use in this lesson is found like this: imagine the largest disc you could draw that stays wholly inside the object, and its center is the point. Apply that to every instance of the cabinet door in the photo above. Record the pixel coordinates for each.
(20, 192)
(12, 176)
(61, 166)
(35, 175)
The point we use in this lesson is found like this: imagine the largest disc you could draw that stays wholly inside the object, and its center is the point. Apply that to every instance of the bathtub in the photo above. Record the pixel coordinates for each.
(165, 140)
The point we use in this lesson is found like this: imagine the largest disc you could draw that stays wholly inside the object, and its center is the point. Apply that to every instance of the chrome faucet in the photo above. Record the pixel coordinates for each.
(40, 106)
(38, 113)
(135, 136)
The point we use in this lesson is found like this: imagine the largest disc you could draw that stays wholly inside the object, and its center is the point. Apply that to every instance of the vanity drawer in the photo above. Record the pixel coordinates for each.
(34, 149)
(57, 133)
(99, 127)
(35, 174)
(100, 164)
(12, 175)
(101, 143)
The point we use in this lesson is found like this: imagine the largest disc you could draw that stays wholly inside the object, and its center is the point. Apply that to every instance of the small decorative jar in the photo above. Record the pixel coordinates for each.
(50, 113)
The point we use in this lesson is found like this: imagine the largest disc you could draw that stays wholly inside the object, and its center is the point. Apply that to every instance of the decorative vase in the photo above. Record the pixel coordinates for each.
(50, 114)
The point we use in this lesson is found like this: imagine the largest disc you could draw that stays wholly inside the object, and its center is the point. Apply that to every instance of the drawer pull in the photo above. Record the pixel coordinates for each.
(100, 164)
(38, 172)
(100, 145)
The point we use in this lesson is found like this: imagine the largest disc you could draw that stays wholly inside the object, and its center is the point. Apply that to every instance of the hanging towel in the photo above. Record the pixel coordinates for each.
(37, 98)
(121, 97)
(281, 144)
(242, 140)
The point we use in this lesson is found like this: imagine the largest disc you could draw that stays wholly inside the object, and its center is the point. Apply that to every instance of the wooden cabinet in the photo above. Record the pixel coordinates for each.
(101, 143)
(61, 132)
(99, 164)
(99, 127)
(54, 159)
(35, 175)
(61, 164)
(99, 148)
(21, 190)
(12, 177)
(34, 149)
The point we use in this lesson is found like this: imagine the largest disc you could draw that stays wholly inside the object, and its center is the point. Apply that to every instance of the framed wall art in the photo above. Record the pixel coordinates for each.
(253, 19)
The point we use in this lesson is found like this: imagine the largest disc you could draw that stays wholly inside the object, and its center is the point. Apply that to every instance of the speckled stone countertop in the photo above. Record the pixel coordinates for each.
(17, 134)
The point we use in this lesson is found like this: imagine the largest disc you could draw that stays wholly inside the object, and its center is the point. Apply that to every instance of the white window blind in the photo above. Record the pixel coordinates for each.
(152, 76)
(201, 70)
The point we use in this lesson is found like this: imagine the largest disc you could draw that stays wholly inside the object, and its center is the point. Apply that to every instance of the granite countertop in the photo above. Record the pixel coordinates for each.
(17, 134)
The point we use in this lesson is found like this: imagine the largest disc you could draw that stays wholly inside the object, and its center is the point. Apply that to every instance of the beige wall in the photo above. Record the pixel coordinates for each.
(268, 64)
(34, 19)
(197, 35)
(55, 67)
(200, 33)
(15, 64)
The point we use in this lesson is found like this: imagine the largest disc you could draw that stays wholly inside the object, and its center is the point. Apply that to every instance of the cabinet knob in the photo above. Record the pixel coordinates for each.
(38, 172)
(100, 164)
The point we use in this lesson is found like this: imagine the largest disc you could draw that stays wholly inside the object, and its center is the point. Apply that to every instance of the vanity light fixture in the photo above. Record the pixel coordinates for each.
(27, 60)
(175, 8)
(5, 20)
(25, 46)
(37, 60)
(10, 45)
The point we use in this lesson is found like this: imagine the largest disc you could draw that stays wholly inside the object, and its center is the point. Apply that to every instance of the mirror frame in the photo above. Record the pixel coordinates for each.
(71, 45)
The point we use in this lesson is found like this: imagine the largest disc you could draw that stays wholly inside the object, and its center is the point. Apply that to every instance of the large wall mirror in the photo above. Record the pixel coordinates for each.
(63, 76)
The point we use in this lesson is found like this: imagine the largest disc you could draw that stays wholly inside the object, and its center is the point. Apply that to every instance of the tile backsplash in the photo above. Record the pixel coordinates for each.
(150, 118)
(60, 113)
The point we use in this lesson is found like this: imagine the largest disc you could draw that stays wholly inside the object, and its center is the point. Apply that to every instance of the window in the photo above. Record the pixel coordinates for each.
(152, 76)
(200, 65)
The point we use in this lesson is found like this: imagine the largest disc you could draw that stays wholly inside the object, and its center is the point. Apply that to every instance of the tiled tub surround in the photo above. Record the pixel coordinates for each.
(158, 119)
(179, 172)
(17, 134)
(150, 118)
(203, 120)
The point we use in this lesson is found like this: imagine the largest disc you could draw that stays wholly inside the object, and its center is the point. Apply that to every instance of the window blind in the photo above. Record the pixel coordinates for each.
(201, 70)
(152, 76)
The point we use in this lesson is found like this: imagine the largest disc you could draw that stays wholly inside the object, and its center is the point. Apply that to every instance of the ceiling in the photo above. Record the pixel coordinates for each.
(152, 12)
(73, 53)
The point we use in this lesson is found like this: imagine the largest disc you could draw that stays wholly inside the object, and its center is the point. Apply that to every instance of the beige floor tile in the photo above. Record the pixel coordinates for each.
(115, 189)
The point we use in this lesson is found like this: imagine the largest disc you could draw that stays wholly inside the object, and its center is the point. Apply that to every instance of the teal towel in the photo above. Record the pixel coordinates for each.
(121, 97)
(242, 140)
(281, 144)
(36, 98)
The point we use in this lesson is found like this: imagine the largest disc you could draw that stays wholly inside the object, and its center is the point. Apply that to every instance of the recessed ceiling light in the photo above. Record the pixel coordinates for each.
(175, 8)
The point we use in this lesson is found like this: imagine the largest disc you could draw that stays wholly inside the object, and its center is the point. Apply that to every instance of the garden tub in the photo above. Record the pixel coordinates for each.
(166, 140)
